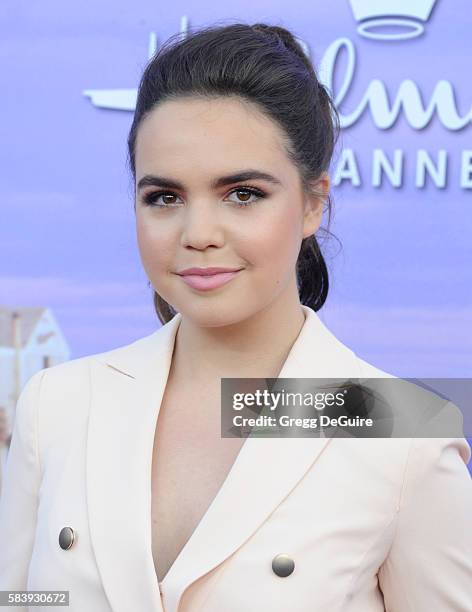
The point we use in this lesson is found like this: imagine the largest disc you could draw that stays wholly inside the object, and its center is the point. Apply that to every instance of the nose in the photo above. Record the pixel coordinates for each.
(201, 227)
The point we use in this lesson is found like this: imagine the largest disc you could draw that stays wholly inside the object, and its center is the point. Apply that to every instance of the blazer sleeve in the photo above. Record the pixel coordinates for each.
(429, 565)
(19, 494)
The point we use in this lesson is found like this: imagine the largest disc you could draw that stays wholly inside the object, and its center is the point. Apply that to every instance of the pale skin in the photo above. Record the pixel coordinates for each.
(248, 325)
(245, 328)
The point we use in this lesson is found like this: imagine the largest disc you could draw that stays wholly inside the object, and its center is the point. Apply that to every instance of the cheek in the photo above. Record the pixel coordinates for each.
(154, 242)
(275, 240)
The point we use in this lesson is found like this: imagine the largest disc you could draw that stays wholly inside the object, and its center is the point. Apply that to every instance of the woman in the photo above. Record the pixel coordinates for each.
(120, 488)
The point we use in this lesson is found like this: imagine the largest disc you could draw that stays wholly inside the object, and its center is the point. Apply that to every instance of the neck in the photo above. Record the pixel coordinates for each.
(255, 347)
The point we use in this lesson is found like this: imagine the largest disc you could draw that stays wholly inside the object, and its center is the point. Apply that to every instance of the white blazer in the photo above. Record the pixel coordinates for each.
(371, 524)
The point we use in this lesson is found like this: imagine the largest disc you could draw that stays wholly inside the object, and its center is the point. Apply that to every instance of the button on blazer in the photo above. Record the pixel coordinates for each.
(299, 524)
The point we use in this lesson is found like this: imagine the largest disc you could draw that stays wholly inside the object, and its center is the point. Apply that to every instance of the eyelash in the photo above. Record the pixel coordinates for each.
(150, 198)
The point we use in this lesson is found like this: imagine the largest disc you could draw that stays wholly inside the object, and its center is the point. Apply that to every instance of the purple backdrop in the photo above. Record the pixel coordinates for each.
(401, 287)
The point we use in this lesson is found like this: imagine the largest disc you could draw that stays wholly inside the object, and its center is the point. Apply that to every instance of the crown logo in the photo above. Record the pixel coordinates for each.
(391, 19)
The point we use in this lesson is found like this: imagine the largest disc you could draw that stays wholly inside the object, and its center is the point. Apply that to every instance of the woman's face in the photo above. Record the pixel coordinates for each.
(255, 225)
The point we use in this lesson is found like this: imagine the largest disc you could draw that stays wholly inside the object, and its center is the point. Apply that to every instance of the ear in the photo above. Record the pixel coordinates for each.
(313, 210)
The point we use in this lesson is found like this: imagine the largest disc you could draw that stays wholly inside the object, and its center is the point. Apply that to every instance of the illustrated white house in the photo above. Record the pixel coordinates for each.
(30, 340)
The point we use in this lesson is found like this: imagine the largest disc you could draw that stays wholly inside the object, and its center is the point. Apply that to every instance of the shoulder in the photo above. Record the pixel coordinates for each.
(368, 370)
(66, 387)
(415, 404)
(431, 426)
(76, 371)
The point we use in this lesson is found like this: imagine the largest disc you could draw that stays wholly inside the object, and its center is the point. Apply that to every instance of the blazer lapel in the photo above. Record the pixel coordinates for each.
(127, 388)
(127, 385)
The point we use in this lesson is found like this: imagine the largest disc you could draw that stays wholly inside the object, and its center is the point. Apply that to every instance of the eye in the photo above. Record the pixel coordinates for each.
(152, 198)
(248, 191)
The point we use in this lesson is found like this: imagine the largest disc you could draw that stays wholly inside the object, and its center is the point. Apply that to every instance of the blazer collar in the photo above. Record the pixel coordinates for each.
(127, 386)
(140, 357)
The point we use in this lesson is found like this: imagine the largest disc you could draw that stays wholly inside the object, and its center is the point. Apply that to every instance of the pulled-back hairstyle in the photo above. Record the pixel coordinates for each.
(265, 65)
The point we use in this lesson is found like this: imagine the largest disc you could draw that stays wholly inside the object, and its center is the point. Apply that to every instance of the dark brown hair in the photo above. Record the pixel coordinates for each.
(265, 65)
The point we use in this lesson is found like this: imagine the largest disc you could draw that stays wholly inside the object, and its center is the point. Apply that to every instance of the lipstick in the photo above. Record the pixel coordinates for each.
(209, 281)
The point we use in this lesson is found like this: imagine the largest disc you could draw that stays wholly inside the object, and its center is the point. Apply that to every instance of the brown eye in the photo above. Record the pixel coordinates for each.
(244, 194)
(160, 199)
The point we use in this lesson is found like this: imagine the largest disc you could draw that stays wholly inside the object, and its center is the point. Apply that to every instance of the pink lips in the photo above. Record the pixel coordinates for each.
(209, 281)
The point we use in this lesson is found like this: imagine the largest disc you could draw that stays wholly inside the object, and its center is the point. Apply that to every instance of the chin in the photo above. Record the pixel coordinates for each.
(216, 314)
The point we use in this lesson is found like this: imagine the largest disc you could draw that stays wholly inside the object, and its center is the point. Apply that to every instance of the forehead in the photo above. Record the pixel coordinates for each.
(209, 132)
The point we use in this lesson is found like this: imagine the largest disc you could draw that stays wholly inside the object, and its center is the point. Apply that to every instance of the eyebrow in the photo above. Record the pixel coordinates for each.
(238, 177)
